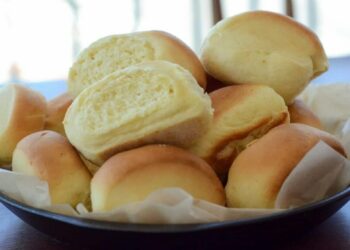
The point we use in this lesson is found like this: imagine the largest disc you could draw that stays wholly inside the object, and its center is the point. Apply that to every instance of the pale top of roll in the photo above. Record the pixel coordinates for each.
(154, 102)
(242, 113)
(132, 175)
(22, 112)
(258, 173)
(116, 52)
(261, 47)
(50, 157)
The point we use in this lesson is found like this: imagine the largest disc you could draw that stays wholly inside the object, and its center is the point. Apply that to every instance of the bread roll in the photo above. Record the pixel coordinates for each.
(261, 47)
(258, 173)
(22, 112)
(49, 156)
(56, 110)
(242, 113)
(149, 103)
(132, 175)
(300, 113)
(116, 52)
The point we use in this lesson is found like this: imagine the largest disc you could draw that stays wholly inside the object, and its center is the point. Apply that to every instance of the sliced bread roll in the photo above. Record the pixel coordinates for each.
(242, 113)
(22, 112)
(154, 102)
(56, 110)
(49, 156)
(261, 47)
(116, 52)
(132, 175)
(257, 174)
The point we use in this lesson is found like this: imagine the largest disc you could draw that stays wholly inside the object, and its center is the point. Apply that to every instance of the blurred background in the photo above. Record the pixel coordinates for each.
(39, 39)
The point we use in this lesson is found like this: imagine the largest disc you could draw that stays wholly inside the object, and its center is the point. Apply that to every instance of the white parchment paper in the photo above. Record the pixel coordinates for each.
(321, 173)
(331, 103)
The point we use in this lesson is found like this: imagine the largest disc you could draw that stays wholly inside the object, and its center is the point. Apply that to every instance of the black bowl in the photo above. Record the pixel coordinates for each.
(248, 232)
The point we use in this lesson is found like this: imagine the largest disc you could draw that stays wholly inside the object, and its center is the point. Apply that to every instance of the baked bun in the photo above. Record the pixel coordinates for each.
(261, 47)
(132, 175)
(242, 113)
(148, 103)
(49, 156)
(22, 112)
(116, 52)
(56, 110)
(257, 174)
(300, 113)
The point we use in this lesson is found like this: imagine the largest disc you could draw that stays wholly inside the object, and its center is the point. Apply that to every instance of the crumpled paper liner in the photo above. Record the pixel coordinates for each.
(321, 173)
(331, 103)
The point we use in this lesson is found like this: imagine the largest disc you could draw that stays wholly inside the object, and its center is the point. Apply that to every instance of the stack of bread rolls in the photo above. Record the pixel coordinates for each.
(137, 118)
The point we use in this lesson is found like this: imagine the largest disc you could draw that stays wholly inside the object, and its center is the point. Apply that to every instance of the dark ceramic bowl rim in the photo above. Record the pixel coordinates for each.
(169, 228)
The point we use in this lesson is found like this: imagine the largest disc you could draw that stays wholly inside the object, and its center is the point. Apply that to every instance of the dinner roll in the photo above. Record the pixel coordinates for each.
(22, 112)
(116, 52)
(49, 156)
(56, 110)
(261, 47)
(300, 113)
(132, 175)
(148, 103)
(242, 113)
(258, 173)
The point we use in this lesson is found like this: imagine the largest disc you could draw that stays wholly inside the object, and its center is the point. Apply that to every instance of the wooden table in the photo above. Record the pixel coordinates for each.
(333, 234)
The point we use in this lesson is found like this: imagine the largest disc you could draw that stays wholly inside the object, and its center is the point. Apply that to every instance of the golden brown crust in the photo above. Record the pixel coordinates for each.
(258, 173)
(183, 55)
(47, 145)
(49, 156)
(222, 101)
(121, 164)
(120, 167)
(300, 113)
(222, 165)
(234, 125)
(27, 116)
(225, 98)
(56, 110)
(322, 135)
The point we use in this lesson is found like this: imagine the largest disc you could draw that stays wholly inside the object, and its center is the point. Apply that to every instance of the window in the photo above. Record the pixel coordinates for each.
(40, 38)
